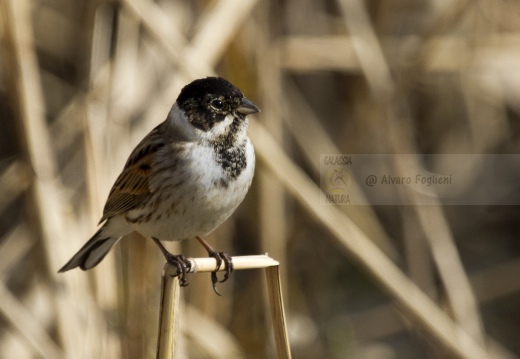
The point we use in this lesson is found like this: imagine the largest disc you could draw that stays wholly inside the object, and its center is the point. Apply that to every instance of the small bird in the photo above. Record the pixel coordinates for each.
(184, 179)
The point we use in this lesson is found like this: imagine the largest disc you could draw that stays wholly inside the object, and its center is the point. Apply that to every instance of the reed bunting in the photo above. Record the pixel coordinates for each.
(185, 178)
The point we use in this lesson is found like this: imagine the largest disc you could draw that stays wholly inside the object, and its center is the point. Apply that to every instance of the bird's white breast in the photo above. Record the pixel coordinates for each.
(196, 196)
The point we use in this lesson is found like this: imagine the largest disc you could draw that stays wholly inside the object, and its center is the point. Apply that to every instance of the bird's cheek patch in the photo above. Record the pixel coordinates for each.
(207, 122)
(219, 118)
(201, 123)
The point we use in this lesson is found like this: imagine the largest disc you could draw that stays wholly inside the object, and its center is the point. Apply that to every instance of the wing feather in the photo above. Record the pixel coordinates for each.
(132, 188)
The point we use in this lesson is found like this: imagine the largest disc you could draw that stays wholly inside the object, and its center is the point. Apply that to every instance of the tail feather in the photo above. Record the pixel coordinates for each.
(92, 252)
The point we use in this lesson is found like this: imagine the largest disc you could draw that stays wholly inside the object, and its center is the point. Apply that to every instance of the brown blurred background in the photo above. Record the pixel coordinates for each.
(81, 82)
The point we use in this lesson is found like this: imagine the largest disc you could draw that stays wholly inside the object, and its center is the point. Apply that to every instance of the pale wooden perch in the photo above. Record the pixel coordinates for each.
(169, 328)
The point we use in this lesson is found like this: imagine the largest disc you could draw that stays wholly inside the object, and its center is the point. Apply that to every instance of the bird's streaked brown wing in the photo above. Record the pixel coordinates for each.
(132, 187)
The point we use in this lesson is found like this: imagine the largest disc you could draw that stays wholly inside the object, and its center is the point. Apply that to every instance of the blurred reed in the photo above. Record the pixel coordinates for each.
(82, 82)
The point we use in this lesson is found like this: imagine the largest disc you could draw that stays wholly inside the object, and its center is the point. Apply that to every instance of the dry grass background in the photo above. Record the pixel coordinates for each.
(82, 81)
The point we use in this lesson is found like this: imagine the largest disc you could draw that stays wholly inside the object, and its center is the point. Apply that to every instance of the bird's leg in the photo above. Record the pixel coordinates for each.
(219, 257)
(181, 262)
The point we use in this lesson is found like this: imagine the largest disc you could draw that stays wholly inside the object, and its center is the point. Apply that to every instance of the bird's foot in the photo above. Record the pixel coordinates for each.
(228, 267)
(220, 257)
(182, 264)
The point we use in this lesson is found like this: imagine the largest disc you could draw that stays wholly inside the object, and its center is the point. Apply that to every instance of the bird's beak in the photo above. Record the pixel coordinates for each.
(247, 107)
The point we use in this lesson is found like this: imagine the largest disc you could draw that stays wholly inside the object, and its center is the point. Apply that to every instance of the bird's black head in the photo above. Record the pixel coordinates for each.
(208, 101)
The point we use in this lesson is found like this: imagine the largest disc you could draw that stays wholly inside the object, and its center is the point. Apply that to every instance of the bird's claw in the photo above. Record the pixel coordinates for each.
(183, 266)
(228, 266)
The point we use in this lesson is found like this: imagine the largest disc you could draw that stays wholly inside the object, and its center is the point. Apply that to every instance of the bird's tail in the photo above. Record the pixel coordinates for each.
(95, 249)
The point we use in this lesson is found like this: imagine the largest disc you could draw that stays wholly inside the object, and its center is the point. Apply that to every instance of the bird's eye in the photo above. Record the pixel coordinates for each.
(217, 104)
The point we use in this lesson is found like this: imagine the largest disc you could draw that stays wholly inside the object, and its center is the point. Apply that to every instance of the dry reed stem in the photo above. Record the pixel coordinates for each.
(313, 139)
(274, 290)
(273, 219)
(170, 314)
(30, 330)
(167, 36)
(359, 247)
(376, 71)
(95, 127)
(99, 164)
(239, 263)
(13, 247)
(14, 180)
(490, 284)
(19, 42)
(208, 45)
